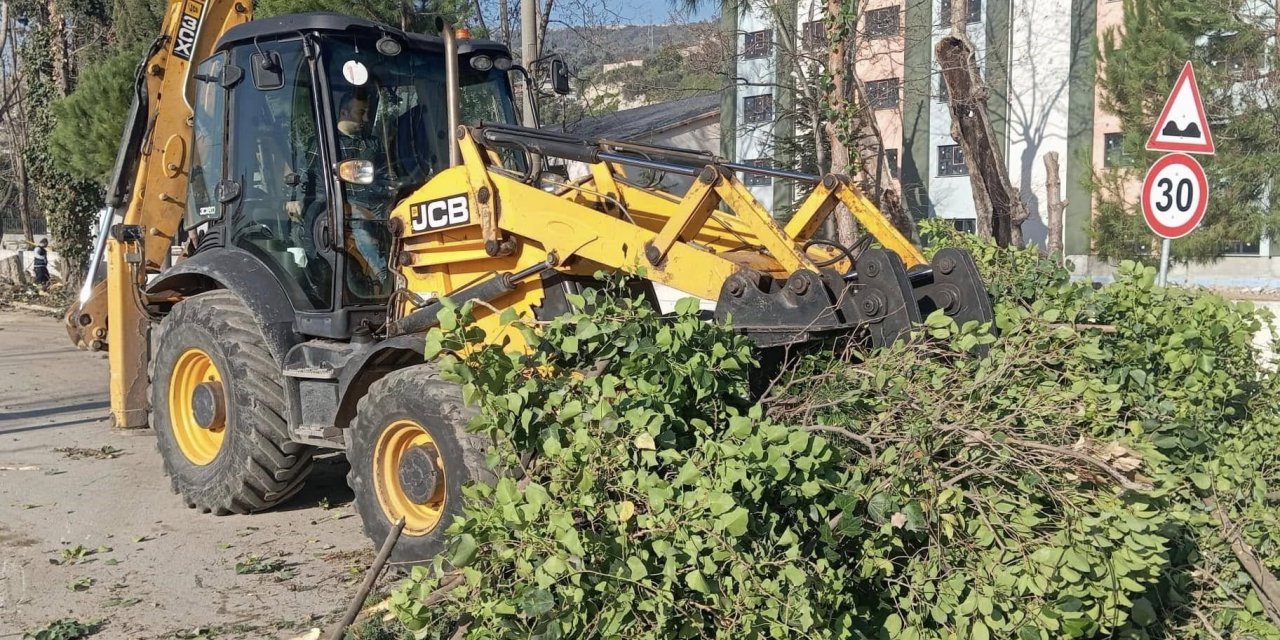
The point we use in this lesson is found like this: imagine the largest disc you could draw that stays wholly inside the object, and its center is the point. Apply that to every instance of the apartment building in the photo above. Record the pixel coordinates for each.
(1036, 56)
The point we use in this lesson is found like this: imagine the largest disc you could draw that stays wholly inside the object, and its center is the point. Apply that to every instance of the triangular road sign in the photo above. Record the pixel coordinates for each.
(1182, 125)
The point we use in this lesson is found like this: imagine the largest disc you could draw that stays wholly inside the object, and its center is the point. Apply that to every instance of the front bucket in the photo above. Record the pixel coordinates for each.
(880, 300)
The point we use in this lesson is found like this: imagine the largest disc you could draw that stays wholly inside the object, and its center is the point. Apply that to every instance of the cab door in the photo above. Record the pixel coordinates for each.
(279, 204)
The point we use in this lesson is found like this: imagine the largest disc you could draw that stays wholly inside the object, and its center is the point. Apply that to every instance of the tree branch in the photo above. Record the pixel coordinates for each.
(1264, 582)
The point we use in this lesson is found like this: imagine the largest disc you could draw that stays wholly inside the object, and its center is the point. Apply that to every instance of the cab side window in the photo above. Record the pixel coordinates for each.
(206, 149)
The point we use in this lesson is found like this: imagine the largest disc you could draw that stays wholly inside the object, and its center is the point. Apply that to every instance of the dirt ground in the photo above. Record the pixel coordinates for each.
(89, 528)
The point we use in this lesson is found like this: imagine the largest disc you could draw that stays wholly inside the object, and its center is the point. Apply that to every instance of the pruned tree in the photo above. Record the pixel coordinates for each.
(998, 208)
(852, 126)
(1054, 207)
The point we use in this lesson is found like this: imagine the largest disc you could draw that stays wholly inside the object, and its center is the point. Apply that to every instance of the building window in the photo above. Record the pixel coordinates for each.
(943, 94)
(944, 13)
(1113, 154)
(965, 225)
(1243, 248)
(755, 179)
(882, 23)
(891, 158)
(883, 94)
(756, 44)
(757, 109)
(951, 161)
(815, 34)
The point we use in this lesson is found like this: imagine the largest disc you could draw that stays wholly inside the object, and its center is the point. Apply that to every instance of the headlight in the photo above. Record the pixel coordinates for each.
(481, 63)
(502, 64)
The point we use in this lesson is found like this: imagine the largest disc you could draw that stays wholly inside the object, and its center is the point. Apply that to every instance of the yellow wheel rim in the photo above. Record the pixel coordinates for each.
(199, 444)
(420, 517)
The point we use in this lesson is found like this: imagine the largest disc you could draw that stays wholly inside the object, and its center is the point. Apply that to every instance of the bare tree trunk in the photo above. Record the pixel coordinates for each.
(58, 50)
(863, 139)
(504, 23)
(1055, 206)
(819, 151)
(24, 197)
(544, 18)
(997, 204)
(837, 66)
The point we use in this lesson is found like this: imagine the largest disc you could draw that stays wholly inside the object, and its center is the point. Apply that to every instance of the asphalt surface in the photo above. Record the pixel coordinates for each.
(96, 534)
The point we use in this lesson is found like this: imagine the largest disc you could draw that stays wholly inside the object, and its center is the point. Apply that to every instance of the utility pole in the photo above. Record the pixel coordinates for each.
(529, 53)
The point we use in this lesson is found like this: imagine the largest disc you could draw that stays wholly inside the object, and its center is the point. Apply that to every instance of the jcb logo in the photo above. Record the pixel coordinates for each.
(184, 45)
(438, 214)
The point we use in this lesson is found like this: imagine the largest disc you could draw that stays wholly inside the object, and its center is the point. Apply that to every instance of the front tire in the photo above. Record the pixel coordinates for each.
(410, 455)
(218, 409)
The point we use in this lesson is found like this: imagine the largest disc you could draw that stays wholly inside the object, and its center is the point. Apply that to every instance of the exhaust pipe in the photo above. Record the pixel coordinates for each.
(451, 87)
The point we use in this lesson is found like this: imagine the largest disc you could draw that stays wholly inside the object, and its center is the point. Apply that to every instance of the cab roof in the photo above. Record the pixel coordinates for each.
(265, 29)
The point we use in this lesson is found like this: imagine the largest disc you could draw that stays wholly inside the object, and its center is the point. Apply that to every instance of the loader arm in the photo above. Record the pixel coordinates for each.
(148, 193)
(715, 242)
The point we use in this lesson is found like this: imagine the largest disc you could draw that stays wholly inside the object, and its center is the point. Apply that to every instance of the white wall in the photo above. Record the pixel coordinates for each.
(760, 74)
(1039, 81)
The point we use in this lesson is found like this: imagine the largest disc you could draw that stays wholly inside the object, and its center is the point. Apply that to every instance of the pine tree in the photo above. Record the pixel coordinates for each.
(1231, 45)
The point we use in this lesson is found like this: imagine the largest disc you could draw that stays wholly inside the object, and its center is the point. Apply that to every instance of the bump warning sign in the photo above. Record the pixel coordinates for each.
(1182, 125)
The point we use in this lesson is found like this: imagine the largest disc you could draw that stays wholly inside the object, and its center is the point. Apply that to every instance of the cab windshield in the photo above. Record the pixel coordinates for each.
(392, 111)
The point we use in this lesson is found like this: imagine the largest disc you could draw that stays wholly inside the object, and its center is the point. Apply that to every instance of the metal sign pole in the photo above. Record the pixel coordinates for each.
(1163, 278)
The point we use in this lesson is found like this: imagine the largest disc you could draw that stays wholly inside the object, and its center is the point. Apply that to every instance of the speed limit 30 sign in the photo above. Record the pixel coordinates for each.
(1174, 195)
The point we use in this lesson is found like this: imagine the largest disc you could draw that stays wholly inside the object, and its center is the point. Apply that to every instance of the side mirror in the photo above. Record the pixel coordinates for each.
(560, 77)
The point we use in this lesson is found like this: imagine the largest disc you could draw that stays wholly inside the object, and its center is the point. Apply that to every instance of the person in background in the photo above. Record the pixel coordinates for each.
(40, 266)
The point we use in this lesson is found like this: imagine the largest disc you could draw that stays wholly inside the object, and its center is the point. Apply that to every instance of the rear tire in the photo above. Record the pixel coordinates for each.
(409, 409)
(249, 462)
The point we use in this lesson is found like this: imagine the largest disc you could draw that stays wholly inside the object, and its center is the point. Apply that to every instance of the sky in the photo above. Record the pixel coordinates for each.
(654, 11)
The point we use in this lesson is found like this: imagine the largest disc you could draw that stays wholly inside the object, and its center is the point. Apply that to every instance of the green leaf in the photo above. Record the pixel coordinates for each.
(979, 631)
(878, 508)
(644, 442)
(636, 567)
(1143, 613)
(508, 316)
(464, 550)
(687, 306)
(734, 522)
(696, 581)
(915, 516)
(536, 602)
(569, 538)
(448, 319)
(626, 509)
(720, 503)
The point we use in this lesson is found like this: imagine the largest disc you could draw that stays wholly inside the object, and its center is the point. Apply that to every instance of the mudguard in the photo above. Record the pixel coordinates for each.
(244, 275)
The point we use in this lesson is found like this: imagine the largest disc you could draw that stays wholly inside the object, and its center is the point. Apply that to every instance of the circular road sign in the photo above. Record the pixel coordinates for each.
(1174, 195)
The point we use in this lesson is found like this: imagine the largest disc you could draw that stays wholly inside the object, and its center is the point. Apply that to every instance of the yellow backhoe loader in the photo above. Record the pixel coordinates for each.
(330, 180)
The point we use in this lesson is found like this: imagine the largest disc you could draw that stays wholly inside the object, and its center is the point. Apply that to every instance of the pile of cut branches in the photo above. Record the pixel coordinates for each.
(1098, 463)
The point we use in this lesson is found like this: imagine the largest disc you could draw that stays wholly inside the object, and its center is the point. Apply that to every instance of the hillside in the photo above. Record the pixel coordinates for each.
(586, 49)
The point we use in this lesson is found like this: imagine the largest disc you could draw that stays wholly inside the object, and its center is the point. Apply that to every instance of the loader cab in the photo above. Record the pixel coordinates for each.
(308, 130)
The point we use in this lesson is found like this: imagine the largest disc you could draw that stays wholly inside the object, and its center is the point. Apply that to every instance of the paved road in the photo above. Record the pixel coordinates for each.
(169, 570)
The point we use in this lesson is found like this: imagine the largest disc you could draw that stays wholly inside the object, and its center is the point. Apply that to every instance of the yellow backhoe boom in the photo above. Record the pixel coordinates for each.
(149, 190)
